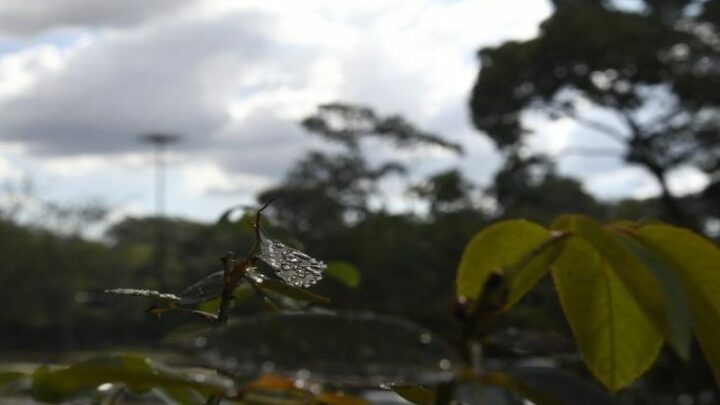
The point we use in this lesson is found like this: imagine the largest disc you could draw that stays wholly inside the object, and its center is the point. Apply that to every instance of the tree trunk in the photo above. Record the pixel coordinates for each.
(673, 207)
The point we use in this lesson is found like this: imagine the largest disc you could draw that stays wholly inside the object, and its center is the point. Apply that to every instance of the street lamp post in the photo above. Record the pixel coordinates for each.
(160, 142)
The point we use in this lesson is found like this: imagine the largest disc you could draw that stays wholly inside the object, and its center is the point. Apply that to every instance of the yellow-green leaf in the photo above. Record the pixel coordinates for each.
(616, 339)
(343, 272)
(696, 263)
(495, 249)
(678, 311)
(638, 280)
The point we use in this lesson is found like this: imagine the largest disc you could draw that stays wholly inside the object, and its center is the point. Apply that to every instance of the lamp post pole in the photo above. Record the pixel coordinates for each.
(160, 142)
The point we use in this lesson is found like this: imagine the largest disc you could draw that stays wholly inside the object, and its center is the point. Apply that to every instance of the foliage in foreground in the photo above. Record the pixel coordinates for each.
(626, 289)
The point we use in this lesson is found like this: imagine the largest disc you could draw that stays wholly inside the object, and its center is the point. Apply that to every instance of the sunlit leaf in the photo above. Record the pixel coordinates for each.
(136, 372)
(494, 250)
(545, 386)
(617, 341)
(644, 288)
(695, 261)
(344, 272)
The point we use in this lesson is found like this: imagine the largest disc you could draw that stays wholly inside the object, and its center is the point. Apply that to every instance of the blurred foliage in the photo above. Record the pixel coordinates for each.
(404, 264)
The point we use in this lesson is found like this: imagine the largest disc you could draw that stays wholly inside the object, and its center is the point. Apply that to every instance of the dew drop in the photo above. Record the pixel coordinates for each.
(200, 342)
(303, 374)
(425, 338)
(267, 367)
(445, 364)
(105, 387)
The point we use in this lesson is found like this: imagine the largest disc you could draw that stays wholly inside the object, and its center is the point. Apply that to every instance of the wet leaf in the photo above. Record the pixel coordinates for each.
(616, 340)
(345, 273)
(144, 293)
(291, 265)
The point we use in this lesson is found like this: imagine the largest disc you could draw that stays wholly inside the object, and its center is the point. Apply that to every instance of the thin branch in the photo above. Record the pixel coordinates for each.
(258, 217)
(228, 262)
(603, 128)
(266, 298)
(588, 151)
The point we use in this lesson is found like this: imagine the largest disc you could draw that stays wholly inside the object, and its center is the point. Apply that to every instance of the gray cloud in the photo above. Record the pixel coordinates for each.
(166, 78)
(29, 17)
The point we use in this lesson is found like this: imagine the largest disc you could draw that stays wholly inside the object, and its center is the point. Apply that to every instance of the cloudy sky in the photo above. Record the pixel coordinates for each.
(81, 79)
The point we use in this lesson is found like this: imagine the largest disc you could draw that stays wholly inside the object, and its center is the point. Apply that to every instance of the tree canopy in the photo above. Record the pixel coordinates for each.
(654, 71)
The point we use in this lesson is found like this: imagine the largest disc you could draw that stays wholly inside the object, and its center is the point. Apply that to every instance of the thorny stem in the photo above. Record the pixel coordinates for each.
(234, 269)
(494, 299)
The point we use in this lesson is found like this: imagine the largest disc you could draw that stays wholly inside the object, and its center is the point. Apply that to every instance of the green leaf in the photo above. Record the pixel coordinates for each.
(203, 290)
(695, 261)
(10, 378)
(293, 292)
(344, 272)
(243, 292)
(639, 281)
(211, 306)
(136, 372)
(617, 341)
(416, 394)
(495, 249)
(546, 386)
(678, 310)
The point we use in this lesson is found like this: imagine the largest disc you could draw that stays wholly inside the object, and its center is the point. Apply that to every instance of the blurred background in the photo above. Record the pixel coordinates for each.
(388, 132)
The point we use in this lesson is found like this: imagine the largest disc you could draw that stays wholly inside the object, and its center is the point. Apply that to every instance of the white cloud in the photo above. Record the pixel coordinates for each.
(8, 172)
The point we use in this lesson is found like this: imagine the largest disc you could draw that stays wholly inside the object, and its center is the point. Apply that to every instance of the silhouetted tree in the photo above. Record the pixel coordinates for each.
(656, 71)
